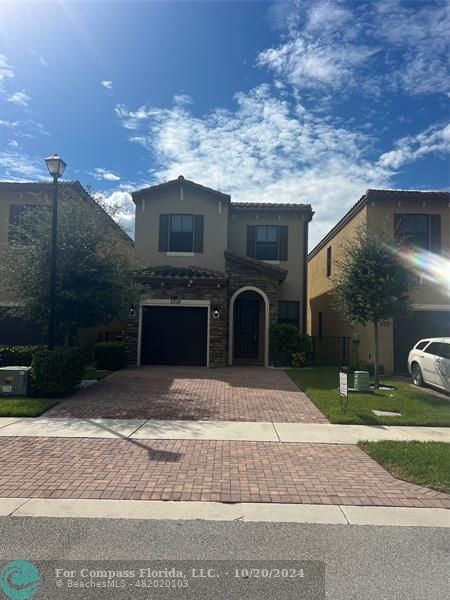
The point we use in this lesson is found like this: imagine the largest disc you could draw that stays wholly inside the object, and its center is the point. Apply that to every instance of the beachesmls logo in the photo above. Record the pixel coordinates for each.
(20, 580)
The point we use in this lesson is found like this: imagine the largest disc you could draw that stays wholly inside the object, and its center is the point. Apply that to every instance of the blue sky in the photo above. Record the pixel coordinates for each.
(295, 101)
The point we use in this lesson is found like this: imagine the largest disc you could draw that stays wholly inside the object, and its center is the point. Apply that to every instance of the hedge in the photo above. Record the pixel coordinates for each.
(109, 356)
(56, 372)
(17, 356)
(287, 345)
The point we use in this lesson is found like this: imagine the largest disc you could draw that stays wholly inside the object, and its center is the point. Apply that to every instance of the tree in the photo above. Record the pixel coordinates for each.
(372, 285)
(94, 273)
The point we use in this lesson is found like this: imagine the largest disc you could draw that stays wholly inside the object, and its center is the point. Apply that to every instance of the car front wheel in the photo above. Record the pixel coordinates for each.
(416, 375)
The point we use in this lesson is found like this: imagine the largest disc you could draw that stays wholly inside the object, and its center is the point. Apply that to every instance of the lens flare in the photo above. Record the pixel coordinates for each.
(426, 265)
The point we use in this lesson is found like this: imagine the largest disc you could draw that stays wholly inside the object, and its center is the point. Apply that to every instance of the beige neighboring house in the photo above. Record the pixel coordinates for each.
(421, 217)
(215, 274)
(15, 198)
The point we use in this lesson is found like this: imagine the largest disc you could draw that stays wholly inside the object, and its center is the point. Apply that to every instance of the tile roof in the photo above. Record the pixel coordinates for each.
(380, 196)
(171, 272)
(180, 180)
(275, 270)
(271, 206)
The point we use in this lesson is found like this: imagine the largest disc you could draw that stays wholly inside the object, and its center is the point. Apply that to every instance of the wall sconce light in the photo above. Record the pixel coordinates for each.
(132, 311)
(190, 283)
(216, 312)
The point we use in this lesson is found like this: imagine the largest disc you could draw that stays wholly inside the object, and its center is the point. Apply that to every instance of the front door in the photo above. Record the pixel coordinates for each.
(246, 329)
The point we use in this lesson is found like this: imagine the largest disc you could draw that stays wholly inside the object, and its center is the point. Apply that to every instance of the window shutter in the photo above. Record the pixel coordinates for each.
(198, 233)
(283, 242)
(397, 227)
(163, 233)
(435, 233)
(251, 240)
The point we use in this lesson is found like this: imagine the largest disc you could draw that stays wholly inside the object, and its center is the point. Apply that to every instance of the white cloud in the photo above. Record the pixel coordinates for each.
(105, 174)
(6, 70)
(182, 99)
(19, 98)
(264, 150)
(419, 35)
(39, 57)
(435, 139)
(107, 84)
(341, 45)
(119, 205)
(18, 166)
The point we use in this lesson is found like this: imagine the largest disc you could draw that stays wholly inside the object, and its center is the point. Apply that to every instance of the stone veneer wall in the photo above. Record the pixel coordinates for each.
(200, 290)
(241, 275)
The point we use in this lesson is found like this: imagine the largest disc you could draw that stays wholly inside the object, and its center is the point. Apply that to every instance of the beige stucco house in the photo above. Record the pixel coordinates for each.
(214, 274)
(15, 198)
(424, 219)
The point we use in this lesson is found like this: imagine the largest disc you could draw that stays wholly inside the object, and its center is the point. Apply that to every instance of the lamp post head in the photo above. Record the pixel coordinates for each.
(55, 166)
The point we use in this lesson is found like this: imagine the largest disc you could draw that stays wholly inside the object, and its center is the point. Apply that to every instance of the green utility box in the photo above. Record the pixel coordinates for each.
(361, 381)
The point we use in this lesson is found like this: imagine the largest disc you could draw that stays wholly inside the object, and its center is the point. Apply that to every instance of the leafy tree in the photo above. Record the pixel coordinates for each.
(94, 273)
(372, 285)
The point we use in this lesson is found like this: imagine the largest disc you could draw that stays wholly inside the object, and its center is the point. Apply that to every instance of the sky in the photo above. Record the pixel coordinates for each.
(287, 101)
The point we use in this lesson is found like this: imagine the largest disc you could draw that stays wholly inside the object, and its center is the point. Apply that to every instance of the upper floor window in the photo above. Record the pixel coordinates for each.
(22, 219)
(181, 233)
(267, 242)
(288, 312)
(420, 230)
(329, 261)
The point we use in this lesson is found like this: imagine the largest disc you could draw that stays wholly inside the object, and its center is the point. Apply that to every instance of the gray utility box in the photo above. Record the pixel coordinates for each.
(14, 381)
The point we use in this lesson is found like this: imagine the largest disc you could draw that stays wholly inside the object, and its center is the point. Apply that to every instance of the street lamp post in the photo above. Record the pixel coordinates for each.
(56, 167)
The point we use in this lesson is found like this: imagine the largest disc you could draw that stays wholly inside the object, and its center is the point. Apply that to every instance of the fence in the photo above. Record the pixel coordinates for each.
(334, 350)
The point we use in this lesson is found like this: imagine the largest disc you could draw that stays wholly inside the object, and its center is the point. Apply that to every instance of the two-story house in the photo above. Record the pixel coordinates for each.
(214, 274)
(421, 219)
(18, 199)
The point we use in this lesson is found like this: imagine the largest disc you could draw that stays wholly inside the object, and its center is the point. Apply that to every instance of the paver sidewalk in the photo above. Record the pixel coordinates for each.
(221, 471)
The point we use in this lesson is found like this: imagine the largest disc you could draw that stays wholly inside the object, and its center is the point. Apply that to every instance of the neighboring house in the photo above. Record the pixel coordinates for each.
(420, 218)
(15, 199)
(215, 274)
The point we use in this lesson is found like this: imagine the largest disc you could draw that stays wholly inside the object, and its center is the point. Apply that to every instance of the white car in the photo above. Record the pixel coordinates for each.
(429, 362)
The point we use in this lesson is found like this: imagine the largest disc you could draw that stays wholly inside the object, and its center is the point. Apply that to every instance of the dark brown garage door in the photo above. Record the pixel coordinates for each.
(407, 332)
(174, 335)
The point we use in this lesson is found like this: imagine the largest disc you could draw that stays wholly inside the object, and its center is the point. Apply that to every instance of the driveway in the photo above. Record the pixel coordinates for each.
(193, 393)
(217, 471)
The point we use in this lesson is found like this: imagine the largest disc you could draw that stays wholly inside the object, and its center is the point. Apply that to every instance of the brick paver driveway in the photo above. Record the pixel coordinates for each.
(193, 393)
(202, 470)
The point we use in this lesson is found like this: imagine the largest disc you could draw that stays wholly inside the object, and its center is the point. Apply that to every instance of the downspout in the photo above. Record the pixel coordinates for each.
(305, 274)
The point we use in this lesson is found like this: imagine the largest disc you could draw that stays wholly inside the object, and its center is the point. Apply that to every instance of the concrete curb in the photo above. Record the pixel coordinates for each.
(216, 511)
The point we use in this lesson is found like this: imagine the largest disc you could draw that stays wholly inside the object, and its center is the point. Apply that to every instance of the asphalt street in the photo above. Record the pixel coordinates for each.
(361, 562)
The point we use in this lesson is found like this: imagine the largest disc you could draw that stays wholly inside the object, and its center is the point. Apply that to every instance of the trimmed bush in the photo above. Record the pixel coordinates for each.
(284, 342)
(56, 372)
(17, 356)
(109, 356)
(298, 360)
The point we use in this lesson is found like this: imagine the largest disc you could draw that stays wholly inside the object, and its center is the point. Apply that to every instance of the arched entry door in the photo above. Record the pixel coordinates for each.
(248, 327)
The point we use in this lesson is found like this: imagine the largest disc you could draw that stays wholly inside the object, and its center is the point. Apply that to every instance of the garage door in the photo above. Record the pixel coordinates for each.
(407, 332)
(174, 335)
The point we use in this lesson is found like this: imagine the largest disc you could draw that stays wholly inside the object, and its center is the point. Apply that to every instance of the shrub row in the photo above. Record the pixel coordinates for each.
(56, 372)
(288, 347)
(17, 356)
(109, 356)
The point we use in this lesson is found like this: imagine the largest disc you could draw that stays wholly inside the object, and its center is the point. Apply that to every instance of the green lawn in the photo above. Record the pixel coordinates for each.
(417, 407)
(423, 463)
(24, 407)
(95, 374)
